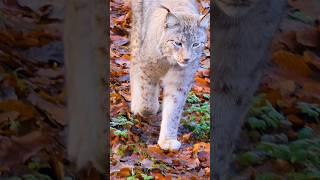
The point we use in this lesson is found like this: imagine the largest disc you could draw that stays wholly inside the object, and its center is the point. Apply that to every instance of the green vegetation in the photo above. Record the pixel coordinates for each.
(263, 115)
(198, 113)
(311, 110)
(302, 152)
(118, 123)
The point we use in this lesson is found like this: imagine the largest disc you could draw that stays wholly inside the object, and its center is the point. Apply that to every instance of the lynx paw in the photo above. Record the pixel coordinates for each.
(170, 144)
(145, 110)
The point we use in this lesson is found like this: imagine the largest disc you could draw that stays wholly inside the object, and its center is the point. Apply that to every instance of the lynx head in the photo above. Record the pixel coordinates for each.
(184, 37)
(236, 7)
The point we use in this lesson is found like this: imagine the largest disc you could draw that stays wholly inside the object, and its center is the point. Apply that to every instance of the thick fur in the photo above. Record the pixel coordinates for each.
(167, 41)
(241, 38)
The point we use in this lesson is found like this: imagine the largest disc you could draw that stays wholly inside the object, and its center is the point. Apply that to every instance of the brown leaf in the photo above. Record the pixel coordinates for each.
(282, 166)
(292, 62)
(124, 172)
(207, 171)
(60, 98)
(26, 111)
(8, 116)
(292, 135)
(296, 121)
(273, 96)
(309, 37)
(202, 146)
(289, 39)
(118, 108)
(193, 163)
(201, 82)
(157, 153)
(54, 112)
(23, 147)
(186, 137)
(50, 73)
(313, 59)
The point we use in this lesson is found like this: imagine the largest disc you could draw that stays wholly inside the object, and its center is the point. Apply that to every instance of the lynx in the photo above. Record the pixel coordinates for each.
(243, 30)
(167, 42)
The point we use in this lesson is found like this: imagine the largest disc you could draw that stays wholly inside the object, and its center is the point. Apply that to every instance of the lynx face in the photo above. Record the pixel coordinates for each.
(184, 37)
(236, 7)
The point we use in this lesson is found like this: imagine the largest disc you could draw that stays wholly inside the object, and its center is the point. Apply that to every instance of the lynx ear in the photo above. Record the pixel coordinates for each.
(204, 20)
(171, 19)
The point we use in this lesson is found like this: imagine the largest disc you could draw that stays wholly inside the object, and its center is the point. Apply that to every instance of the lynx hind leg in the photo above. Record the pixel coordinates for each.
(176, 87)
(144, 93)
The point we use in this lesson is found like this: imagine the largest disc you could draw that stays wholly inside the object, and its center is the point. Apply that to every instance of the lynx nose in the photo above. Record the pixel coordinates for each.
(186, 60)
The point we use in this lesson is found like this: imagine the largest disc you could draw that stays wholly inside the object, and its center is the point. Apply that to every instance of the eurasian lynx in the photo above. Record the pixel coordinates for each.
(167, 41)
(242, 34)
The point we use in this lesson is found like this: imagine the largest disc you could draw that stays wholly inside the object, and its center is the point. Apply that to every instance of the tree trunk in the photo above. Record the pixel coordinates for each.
(240, 53)
(85, 36)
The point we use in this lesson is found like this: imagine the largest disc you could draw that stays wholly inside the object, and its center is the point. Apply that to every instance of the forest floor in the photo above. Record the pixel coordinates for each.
(32, 99)
(280, 139)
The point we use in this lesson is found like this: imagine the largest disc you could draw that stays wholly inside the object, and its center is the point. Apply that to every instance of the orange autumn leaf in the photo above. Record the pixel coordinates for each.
(292, 62)
(125, 172)
(273, 96)
(202, 146)
(201, 82)
(26, 111)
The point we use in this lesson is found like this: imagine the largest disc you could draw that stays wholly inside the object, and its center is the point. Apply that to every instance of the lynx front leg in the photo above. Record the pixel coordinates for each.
(144, 91)
(176, 87)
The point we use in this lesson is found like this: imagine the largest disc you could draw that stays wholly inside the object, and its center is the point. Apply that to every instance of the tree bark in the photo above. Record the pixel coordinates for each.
(240, 53)
(85, 35)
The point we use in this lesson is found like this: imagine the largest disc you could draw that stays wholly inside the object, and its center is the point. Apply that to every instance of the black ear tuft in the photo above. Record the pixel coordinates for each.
(171, 19)
(204, 20)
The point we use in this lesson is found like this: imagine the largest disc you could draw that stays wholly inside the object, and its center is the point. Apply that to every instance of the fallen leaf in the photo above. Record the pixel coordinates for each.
(26, 111)
(309, 37)
(23, 147)
(124, 172)
(55, 112)
(296, 121)
(8, 116)
(292, 62)
(50, 73)
(186, 137)
(147, 163)
(157, 153)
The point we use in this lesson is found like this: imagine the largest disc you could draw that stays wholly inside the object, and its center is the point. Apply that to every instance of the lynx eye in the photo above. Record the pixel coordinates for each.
(177, 43)
(195, 45)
